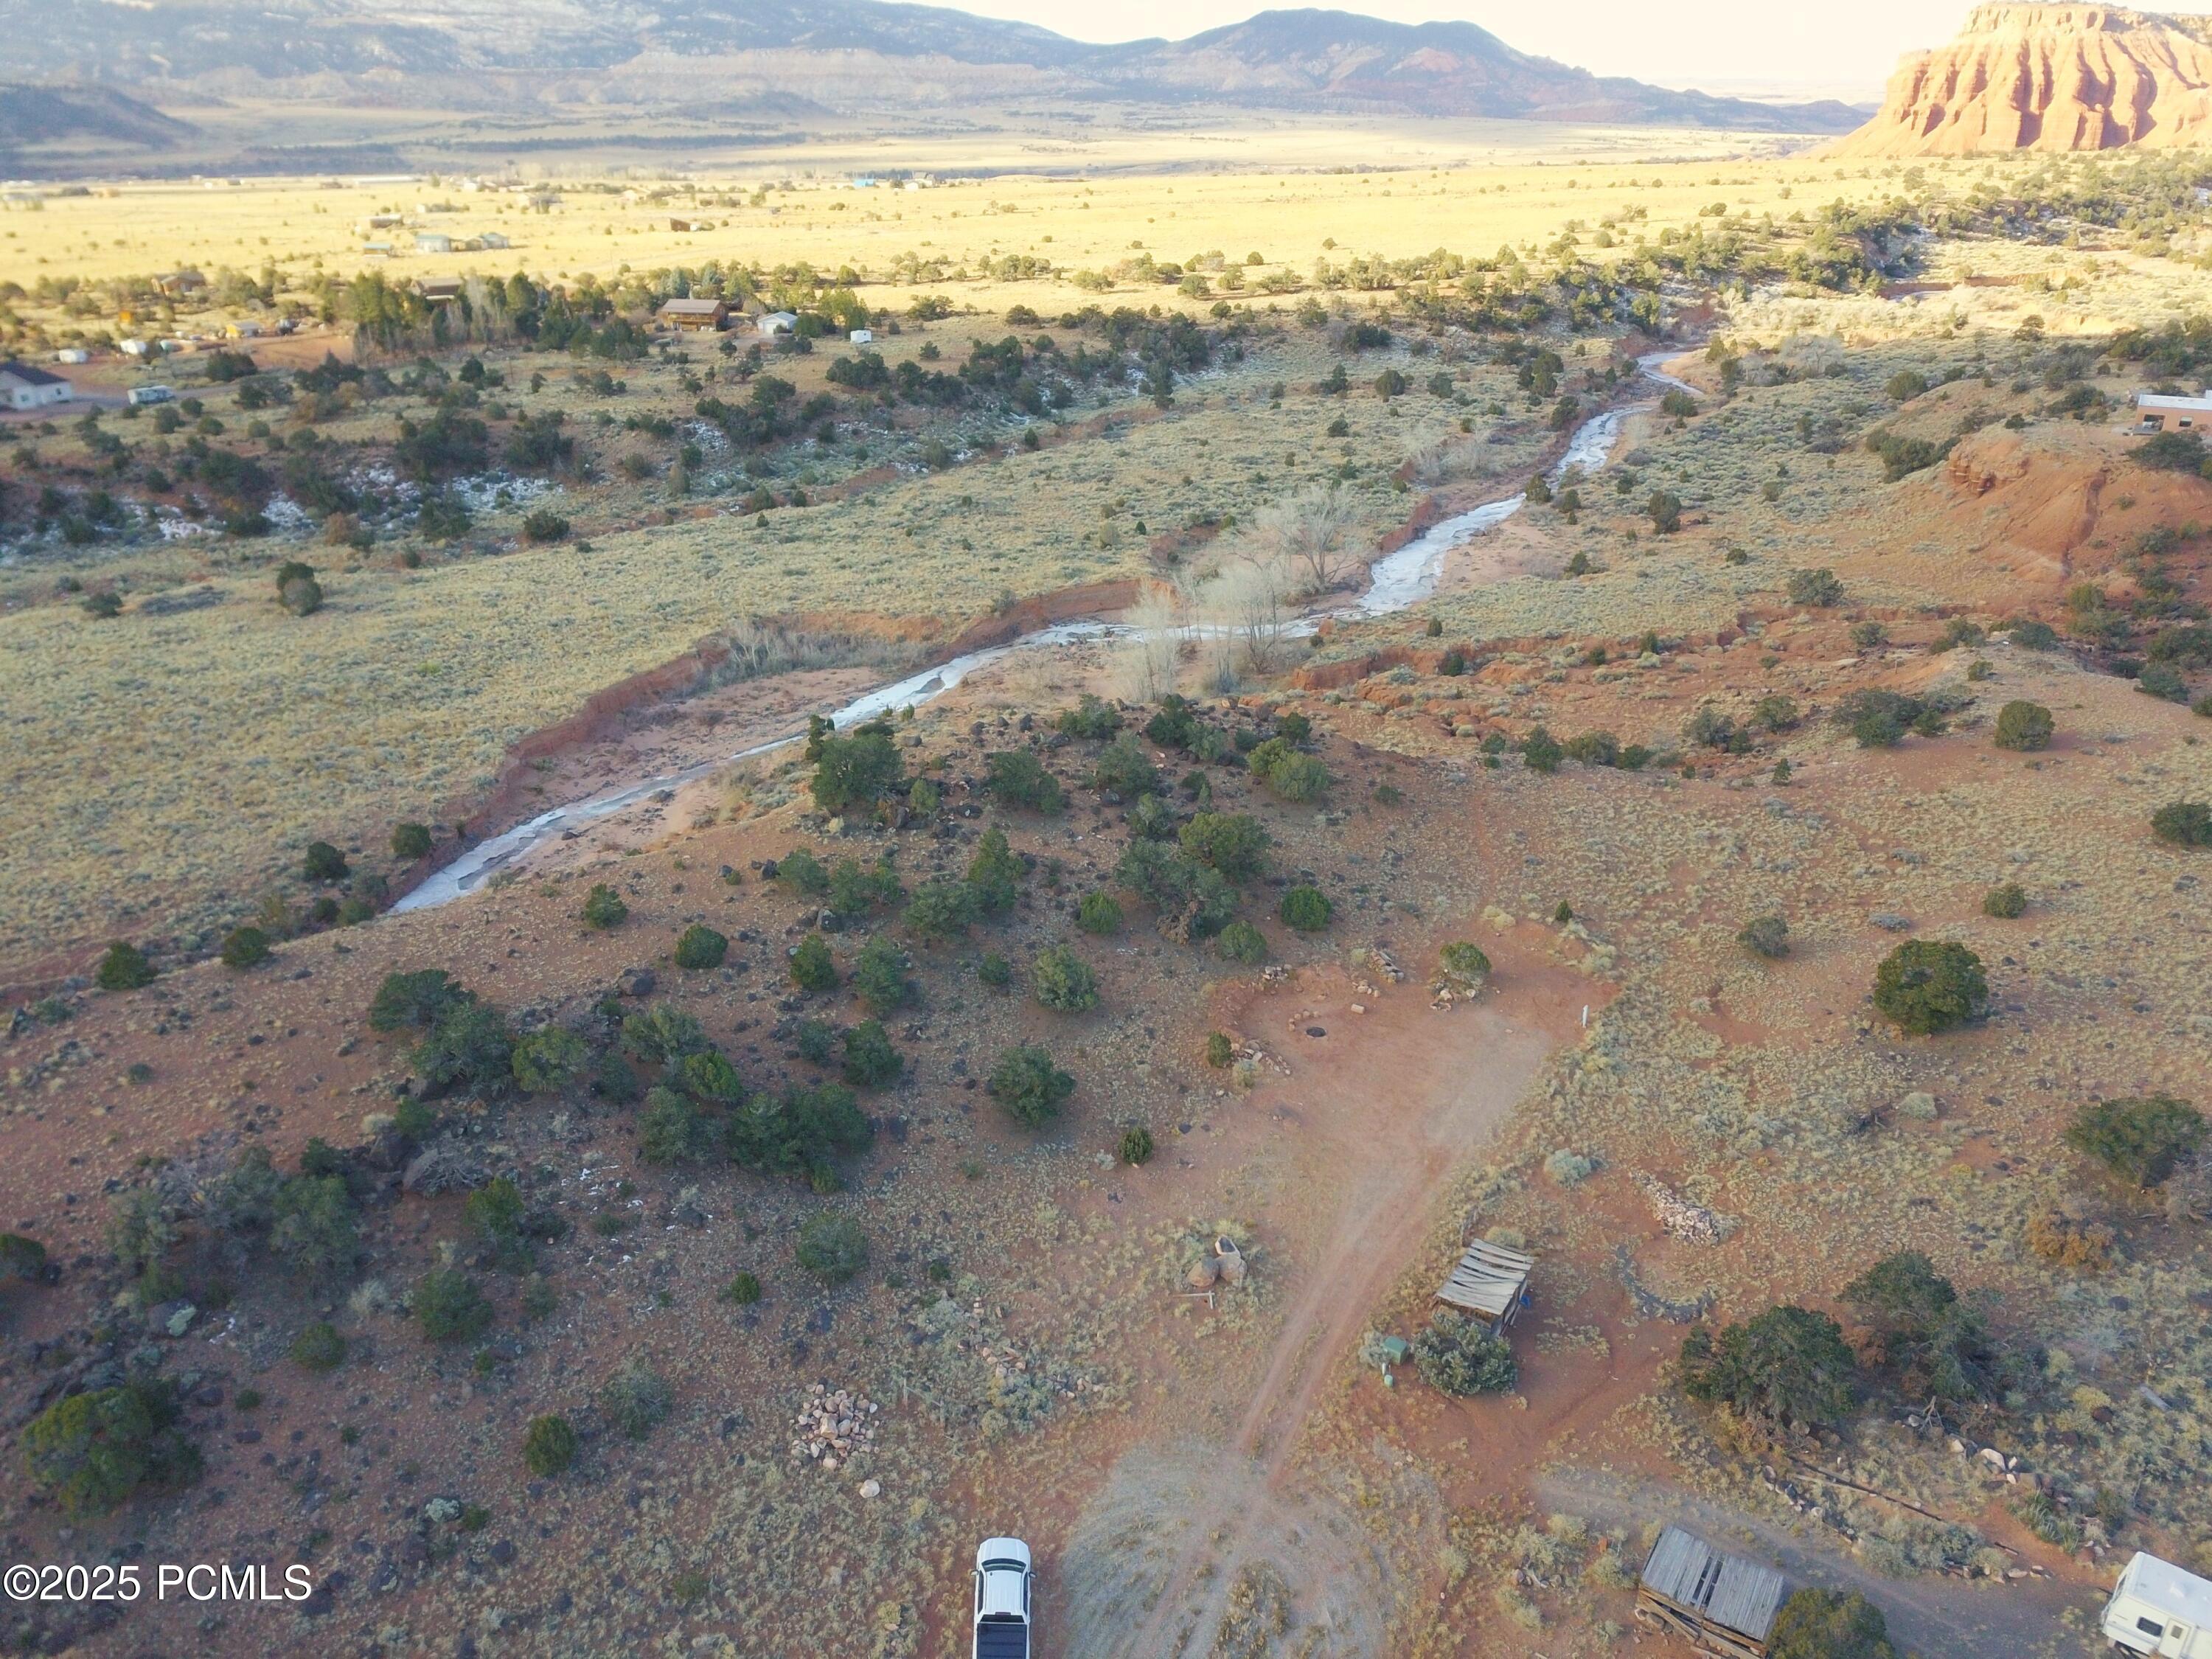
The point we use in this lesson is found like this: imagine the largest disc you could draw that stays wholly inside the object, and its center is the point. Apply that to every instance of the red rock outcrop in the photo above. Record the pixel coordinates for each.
(2046, 78)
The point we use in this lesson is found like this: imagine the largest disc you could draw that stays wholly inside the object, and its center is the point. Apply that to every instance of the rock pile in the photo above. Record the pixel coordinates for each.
(834, 1426)
(1681, 1218)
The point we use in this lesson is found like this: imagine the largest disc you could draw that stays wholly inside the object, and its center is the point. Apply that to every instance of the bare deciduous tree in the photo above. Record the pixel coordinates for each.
(1310, 531)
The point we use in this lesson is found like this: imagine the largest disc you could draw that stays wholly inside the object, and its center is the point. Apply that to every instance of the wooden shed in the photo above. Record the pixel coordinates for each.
(1489, 1282)
(1721, 1605)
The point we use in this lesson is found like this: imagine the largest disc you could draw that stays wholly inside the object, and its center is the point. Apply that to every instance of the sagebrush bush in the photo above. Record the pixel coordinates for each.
(812, 967)
(549, 1446)
(636, 1398)
(1136, 1146)
(324, 862)
(244, 947)
(2182, 824)
(2006, 902)
(411, 842)
(318, 1347)
(1098, 912)
(2140, 1138)
(449, 1306)
(1240, 941)
(1063, 982)
(1463, 965)
(832, 1248)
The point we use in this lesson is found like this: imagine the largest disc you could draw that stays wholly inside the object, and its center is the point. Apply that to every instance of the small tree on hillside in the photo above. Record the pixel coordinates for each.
(1028, 1086)
(1926, 986)
(2141, 1139)
(1788, 1364)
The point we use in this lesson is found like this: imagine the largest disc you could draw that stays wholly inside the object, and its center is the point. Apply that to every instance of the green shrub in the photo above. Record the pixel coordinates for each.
(411, 842)
(2032, 635)
(449, 1306)
(324, 862)
(1819, 588)
(1306, 908)
(995, 876)
(940, 910)
(2141, 1139)
(1926, 986)
(1905, 385)
(2182, 824)
(870, 1060)
(1296, 777)
(494, 1210)
(1219, 1051)
(800, 873)
(1233, 843)
(1123, 768)
(1665, 508)
(741, 1292)
(2024, 726)
(1775, 712)
(468, 1046)
(1136, 1146)
(2007, 901)
(1463, 966)
(542, 524)
(418, 999)
(1241, 941)
(671, 1129)
(1098, 912)
(1935, 1344)
(91, 1451)
(663, 1034)
(1593, 749)
(709, 1076)
(103, 606)
(1825, 1623)
(1193, 899)
(1458, 1355)
(1090, 718)
(604, 908)
(244, 947)
(312, 1229)
(852, 774)
(701, 948)
(854, 891)
(812, 967)
(1028, 1086)
(319, 1348)
(995, 970)
(548, 1061)
(1019, 778)
(1063, 982)
(800, 1132)
(1541, 751)
(1788, 1364)
(636, 1398)
(879, 976)
(549, 1446)
(21, 1259)
(1765, 936)
(1869, 635)
(832, 1248)
(125, 967)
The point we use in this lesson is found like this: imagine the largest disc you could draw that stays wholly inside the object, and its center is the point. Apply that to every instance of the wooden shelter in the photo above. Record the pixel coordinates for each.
(1489, 1282)
(1721, 1605)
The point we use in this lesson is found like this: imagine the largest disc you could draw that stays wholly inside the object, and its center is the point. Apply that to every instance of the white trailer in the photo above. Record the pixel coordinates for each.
(2158, 1607)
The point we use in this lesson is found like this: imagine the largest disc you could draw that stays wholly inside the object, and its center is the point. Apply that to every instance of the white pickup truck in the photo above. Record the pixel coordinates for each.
(1003, 1580)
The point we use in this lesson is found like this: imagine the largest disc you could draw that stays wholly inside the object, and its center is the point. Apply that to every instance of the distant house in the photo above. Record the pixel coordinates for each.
(438, 290)
(544, 200)
(691, 224)
(862, 337)
(2157, 413)
(381, 222)
(777, 322)
(694, 313)
(433, 241)
(493, 238)
(72, 355)
(25, 387)
(136, 348)
(177, 283)
(382, 250)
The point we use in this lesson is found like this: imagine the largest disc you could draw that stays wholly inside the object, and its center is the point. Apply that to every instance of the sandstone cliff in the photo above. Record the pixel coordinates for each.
(2046, 78)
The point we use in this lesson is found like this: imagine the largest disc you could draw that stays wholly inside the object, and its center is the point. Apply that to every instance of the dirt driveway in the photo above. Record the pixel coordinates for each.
(1201, 1545)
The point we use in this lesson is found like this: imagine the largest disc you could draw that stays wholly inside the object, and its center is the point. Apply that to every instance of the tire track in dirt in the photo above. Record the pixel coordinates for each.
(1163, 1564)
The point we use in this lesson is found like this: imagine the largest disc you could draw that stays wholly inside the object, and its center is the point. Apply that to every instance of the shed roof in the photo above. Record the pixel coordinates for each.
(29, 376)
(1729, 1591)
(1488, 1281)
(2157, 400)
(692, 308)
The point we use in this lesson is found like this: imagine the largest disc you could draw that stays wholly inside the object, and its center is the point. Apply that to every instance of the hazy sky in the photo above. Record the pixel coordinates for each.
(1846, 49)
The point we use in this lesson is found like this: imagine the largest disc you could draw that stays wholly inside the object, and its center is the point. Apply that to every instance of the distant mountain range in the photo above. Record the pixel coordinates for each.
(855, 56)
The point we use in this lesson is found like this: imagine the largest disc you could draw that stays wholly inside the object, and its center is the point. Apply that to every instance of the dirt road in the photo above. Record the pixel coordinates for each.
(1199, 1548)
